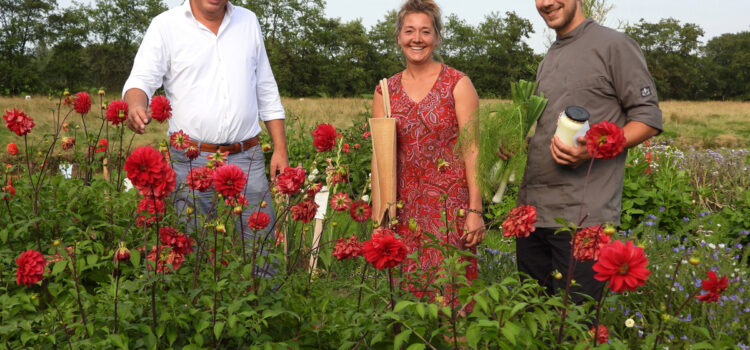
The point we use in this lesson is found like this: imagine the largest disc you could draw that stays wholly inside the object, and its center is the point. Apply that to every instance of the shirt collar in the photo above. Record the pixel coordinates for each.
(574, 34)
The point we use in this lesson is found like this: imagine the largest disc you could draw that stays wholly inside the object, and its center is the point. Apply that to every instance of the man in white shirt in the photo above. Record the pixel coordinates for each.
(210, 57)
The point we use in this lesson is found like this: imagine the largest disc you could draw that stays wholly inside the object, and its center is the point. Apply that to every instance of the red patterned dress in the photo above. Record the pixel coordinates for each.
(431, 175)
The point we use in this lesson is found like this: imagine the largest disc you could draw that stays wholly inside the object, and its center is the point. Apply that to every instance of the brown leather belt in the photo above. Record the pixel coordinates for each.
(231, 148)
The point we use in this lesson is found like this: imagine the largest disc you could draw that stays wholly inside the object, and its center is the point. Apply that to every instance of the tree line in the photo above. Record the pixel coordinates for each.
(45, 48)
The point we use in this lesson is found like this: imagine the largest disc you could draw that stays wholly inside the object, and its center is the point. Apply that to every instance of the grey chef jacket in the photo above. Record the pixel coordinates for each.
(605, 72)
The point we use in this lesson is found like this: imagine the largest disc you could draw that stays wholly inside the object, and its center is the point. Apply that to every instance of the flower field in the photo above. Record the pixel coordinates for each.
(95, 252)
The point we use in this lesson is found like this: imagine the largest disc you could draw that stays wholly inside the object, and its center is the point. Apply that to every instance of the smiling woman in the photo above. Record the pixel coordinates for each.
(436, 188)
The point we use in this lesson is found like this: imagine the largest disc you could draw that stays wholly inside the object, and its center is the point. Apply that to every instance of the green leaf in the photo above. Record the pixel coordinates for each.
(517, 308)
(135, 258)
(416, 346)
(420, 310)
(378, 337)
(433, 309)
(473, 335)
(171, 334)
(59, 267)
(92, 259)
(402, 304)
(510, 330)
(400, 339)
(218, 328)
(494, 294)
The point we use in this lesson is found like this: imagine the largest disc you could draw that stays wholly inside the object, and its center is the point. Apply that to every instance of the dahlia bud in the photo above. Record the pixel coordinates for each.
(394, 222)
(412, 224)
(221, 229)
(266, 147)
(609, 229)
(694, 261)
(56, 243)
(558, 275)
(190, 210)
(122, 253)
(400, 205)
(263, 204)
(237, 210)
(66, 93)
(461, 212)
(101, 92)
(334, 224)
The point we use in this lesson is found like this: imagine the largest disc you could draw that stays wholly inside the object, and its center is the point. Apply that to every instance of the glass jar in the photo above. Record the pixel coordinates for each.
(570, 122)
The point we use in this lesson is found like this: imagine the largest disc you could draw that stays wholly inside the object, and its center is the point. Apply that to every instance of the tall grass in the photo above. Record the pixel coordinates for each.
(700, 124)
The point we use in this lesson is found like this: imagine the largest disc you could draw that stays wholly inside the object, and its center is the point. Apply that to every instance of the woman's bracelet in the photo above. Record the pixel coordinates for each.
(479, 212)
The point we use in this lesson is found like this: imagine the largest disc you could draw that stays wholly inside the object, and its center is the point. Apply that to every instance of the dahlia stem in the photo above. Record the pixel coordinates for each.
(117, 288)
(361, 283)
(59, 314)
(598, 313)
(213, 309)
(157, 259)
(78, 293)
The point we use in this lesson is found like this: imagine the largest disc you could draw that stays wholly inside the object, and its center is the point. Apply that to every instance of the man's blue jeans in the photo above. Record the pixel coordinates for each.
(251, 161)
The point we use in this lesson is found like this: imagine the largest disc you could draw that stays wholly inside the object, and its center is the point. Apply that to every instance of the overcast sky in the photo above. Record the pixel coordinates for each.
(715, 17)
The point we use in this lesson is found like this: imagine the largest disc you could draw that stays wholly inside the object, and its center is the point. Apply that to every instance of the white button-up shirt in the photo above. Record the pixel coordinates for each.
(219, 84)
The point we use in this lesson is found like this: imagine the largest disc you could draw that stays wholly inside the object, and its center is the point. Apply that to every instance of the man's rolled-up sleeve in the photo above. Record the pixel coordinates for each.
(269, 100)
(634, 84)
(150, 63)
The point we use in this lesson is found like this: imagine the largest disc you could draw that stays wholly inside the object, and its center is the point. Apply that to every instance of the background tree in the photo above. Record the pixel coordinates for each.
(20, 31)
(729, 58)
(671, 49)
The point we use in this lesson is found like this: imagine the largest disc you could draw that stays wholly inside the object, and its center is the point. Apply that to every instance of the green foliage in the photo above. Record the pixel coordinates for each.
(506, 127)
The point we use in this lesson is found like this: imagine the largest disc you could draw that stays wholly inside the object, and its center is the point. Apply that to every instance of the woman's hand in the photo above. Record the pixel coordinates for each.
(474, 228)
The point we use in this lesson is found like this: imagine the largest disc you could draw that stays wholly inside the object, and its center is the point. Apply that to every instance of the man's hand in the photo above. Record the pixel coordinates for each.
(279, 161)
(570, 156)
(474, 228)
(138, 115)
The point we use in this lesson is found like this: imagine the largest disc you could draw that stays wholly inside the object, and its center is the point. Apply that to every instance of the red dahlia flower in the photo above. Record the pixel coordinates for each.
(238, 200)
(360, 211)
(601, 336)
(18, 122)
(168, 256)
(31, 265)
(179, 242)
(324, 137)
(290, 180)
(304, 211)
(229, 180)
(192, 152)
(200, 179)
(67, 143)
(180, 140)
(340, 201)
(117, 112)
(82, 102)
(101, 146)
(623, 265)
(605, 140)
(258, 220)
(714, 287)
(520, 222)
(162, 186)
(144, 167)
(346, 248)
(12, 149)
(345, 149)
(161, 110)
(588, 243)
(149, 209)
(217, 159)
(384, 250)
(314, 189)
